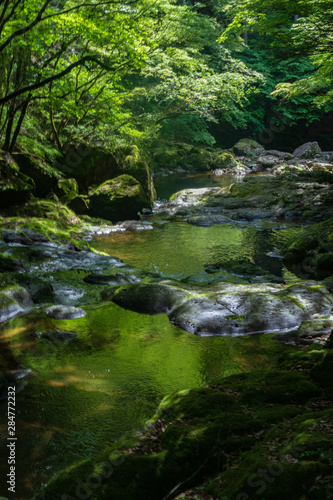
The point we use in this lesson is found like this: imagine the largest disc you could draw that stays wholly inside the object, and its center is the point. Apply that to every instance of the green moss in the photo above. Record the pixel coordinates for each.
(277, 386)
(313, 247)
(118, 199)
(322, 374)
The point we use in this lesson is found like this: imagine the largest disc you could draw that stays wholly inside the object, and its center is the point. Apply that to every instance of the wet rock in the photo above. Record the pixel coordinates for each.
(208, 220)
(13, 375)
(9, 263)
(307, 151)
(134, 225)
(114, 279)
(13, 301)
(227, 309)
(24, 237)
(64, 312)
(56, 335)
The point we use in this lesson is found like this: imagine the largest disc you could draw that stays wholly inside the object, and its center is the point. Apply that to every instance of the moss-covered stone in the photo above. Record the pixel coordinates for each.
(248, 147)
(225, 160)
(118, 199)
(45, 177)
(88, 165)
(312, 250)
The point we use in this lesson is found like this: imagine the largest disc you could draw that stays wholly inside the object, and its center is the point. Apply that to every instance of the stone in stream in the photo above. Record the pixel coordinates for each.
(229, 309)
(56, 335)
(14, 300)
(64, 312)
(112, 279)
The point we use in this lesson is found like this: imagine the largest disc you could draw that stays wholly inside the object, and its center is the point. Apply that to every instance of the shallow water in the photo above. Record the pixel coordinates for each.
(86, 393)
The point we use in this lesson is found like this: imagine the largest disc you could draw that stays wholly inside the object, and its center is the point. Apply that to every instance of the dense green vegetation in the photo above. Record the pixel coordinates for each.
(98, 97)
(133, 71)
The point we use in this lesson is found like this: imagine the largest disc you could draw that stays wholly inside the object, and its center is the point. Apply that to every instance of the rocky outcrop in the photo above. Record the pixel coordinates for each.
(301, 195)
(226, 309)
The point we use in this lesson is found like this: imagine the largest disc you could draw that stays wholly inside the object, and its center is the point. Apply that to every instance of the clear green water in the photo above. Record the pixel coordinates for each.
(179, 249)
(84, 394)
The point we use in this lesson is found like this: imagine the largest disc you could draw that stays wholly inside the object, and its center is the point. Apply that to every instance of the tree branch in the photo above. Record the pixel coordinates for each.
(50, 79)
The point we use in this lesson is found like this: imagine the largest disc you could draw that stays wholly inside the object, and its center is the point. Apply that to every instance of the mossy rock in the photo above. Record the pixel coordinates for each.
(45, 177)
(149, 298)
(277, 387)
(248, 147)
(88, 165)
(9, 263)
(51, 210)
(312, 250)
(118, 199)
(224, 160)
(141, 172)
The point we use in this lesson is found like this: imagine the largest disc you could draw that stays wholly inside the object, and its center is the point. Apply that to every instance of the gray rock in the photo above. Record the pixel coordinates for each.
(56, 335)
(307, 151)
(267, 161)
(64, 312)
(279, 154)
(228, 309)
(113, 279)
(208, 220)
(13, 301)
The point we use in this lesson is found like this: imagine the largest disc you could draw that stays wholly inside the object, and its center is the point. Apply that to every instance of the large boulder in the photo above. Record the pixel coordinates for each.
(45, 177)
(118, 199)
(88, 165)
(308, 150)
(248, 147)
(227, 309)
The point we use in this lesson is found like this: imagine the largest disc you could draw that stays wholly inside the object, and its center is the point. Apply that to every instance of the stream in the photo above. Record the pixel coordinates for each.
(88, 392)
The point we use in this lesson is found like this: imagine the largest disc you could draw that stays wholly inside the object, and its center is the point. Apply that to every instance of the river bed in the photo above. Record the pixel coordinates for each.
(86, 393)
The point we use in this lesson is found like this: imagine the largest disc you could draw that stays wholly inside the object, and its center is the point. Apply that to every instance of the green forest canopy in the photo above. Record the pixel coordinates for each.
(117, 72)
